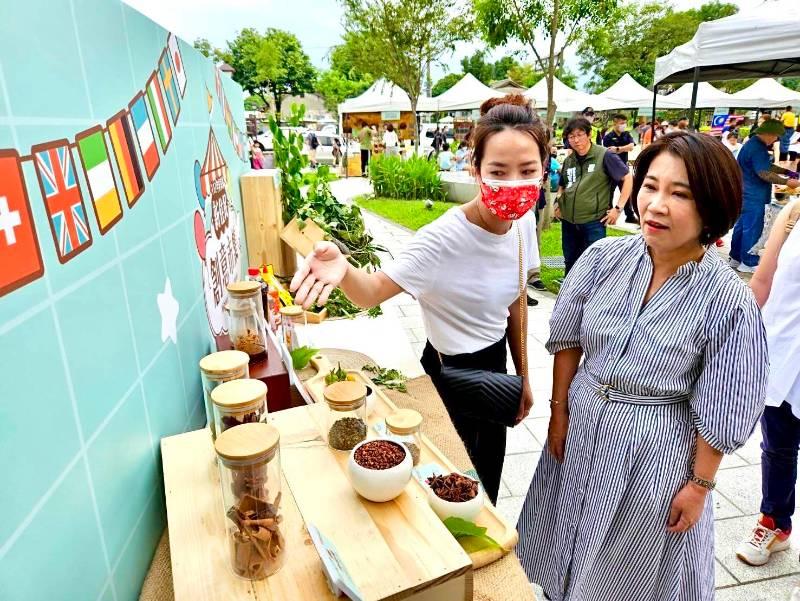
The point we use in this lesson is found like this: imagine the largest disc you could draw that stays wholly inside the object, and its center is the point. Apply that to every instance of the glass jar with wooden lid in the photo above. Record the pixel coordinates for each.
(404, 426)
(217, 368)
(289, 315)
(250, 475)
(347, 414)
(246, 326)
(239, 402)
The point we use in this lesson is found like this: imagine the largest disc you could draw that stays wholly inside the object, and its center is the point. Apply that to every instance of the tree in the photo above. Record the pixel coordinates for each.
(562, 22)
(487, 72)
(397, 39)
(643, 33)
(271, 66)
(343, 80)
(445, 83)
(205, 48)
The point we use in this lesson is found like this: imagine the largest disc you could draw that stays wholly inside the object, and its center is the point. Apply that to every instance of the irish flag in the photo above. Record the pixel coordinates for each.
(144, 135)
(102, 187)
(119, 130)
(158, 109)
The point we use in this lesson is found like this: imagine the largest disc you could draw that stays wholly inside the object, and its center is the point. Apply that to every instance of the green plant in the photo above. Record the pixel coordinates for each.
(388, 378)
(471, 536)
(289, 158)
(302, 355)
(339, 305)
(408, 179)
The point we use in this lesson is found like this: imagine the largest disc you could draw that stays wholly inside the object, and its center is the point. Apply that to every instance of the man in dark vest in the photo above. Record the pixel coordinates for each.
(586, 190)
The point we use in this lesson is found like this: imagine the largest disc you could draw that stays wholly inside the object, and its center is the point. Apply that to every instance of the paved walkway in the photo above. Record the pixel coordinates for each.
(736, 499)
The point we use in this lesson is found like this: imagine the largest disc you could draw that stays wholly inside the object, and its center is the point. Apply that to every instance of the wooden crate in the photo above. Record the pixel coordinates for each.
(496, 526)
(302, 240)
(395, 551)
(262, 209)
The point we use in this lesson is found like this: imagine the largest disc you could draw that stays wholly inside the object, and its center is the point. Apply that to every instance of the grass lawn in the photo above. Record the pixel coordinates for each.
(413, 215)
(409, 213)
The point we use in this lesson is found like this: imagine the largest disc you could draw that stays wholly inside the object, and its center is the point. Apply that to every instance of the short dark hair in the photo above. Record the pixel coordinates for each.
(578, 123)
(684, 118)
(619, 117)
(389, 127)
(789, 107)
(715, 179)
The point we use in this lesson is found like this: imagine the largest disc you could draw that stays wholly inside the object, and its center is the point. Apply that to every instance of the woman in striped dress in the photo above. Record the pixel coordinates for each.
(673, 376)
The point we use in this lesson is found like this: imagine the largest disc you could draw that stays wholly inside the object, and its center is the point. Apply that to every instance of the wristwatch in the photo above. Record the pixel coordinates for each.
(618, 208)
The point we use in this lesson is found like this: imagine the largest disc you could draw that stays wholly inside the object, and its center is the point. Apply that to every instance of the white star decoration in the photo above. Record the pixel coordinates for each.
(168, 307)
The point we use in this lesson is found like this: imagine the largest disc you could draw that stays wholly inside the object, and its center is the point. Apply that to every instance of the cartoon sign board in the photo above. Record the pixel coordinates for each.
(218, 244)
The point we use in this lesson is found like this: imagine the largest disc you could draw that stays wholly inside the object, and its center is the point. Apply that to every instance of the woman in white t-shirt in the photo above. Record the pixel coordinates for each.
(464, 270)
(391, 142)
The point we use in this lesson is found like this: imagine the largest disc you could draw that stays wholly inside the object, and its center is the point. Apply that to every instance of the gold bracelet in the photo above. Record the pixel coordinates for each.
(707, 484)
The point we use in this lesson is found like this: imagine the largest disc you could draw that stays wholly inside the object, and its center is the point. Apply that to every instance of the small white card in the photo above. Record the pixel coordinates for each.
(339, 580)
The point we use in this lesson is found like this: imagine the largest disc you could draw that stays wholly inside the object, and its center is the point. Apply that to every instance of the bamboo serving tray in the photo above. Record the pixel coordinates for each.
(489, 518)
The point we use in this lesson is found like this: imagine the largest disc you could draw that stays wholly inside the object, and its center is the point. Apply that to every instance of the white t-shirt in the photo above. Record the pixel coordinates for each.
(389, 139)
(464, 278)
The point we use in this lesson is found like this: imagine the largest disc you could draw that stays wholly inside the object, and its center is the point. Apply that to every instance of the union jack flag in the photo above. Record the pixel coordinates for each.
(62, 198)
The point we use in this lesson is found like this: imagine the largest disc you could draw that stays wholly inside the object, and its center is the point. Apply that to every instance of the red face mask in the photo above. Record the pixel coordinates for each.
(510, 199)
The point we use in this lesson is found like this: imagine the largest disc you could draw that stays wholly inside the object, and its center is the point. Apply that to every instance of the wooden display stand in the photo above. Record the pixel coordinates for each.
(395, 551)
(263, 221)
(354, 165)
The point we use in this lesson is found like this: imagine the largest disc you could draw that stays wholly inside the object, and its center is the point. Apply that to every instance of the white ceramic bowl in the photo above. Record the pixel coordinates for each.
(468, 510)
(379, 485)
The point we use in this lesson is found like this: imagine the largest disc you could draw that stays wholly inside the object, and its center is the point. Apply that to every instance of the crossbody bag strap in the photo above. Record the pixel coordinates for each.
(523, 307)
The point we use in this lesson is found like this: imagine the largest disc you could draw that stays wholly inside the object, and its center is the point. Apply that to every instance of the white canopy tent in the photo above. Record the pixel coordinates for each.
(469, 93)
(707, 96)
(566, 99)
(758, 42)
(383, 95)
(767, 93)
(627, 93)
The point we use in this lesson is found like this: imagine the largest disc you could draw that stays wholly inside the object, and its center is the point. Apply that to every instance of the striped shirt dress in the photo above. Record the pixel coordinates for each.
(693, 360)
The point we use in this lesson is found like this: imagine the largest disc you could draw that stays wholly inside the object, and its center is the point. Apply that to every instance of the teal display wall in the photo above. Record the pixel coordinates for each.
(120, 225)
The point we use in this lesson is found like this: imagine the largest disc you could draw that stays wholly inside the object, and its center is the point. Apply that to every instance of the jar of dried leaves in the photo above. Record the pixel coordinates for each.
(347, 414)
(250, 474)
(246, 325)
(239, 402)
(217, 368)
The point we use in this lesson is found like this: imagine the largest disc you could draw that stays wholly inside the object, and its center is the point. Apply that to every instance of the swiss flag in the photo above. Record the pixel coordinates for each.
(20, 258)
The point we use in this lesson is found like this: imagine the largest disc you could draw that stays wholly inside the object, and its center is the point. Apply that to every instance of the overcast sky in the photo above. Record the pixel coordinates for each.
(317, 23)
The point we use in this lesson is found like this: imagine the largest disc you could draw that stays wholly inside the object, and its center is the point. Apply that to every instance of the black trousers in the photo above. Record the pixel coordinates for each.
(364, 161)
(485, 442)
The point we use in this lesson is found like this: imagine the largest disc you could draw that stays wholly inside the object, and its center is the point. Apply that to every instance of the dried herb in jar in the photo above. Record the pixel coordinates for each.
(251, 343)
(453, 487)
(414, 450)
(258, 544)
(346, 433)
(229, 421)
(380, 455)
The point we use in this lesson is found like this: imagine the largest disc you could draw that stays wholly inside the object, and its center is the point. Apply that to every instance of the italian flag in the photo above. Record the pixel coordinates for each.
(102, 187)
(159, 110)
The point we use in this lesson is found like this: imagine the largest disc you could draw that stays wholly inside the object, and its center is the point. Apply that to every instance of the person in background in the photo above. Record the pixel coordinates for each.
(589, 115)
(641, 127)
(586, 188)
(438, 141)
(257, 160)
(466, 326)
(682, 124)
(660, 368)
(732, 143)
(620, 141)
(391, 142)
(789, 120)
(462, 156)
(336, 151)
(730, 125)
(759, 174)
(312, 142)
(794, 147)
(554, 175)
(647, 137)
(776, 286)
(445, 159)
(365, 142)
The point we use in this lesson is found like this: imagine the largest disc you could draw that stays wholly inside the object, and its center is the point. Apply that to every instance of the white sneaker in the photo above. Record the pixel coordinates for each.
(733, 263)
(763, 542)
(745, 269)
